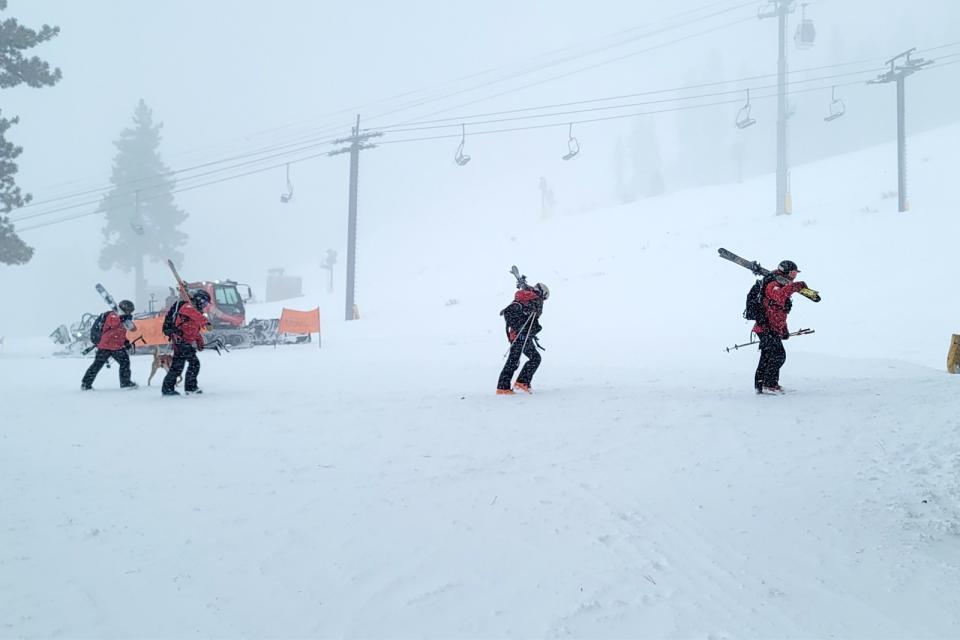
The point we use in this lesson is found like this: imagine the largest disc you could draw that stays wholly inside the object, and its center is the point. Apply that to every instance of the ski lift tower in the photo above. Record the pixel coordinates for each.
(357, 142)
(780, 9)
(898, 73)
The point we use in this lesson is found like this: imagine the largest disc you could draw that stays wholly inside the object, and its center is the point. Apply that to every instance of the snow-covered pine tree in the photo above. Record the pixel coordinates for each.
(15, 69)
(142, 218)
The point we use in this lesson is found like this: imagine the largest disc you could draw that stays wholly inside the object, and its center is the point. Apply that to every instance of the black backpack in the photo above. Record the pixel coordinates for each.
(170, 320)
(96, 330)
(754, 308)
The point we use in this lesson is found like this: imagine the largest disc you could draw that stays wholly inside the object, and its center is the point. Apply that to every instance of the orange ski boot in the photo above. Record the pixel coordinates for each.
(519, 386)
(505, 392)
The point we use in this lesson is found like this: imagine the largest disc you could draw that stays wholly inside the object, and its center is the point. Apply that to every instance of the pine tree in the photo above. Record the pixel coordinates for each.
(647, 178)
(15, 69)
(142, 218)
(637, 166)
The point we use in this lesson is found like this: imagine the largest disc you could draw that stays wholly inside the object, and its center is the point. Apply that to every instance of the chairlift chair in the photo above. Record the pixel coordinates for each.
(288, 196)
(573, 145)
(806, 33)
(461, 158)
(837, 108)
(743, 115)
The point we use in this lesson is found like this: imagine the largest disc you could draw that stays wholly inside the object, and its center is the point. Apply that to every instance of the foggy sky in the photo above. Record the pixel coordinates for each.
(227, 77)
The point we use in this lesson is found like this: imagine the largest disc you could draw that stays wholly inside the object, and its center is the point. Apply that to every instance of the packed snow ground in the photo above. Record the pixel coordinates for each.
(377, 488)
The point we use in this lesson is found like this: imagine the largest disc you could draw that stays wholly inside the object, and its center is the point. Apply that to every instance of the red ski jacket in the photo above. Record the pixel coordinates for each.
(114, 333)
(190, 322)
(775, 296)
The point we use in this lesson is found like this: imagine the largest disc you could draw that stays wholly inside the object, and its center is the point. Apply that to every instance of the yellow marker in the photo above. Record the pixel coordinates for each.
(953, 355)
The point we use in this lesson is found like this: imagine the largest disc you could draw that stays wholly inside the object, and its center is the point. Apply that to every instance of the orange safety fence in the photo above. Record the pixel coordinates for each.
(299, 321)
(151, 329)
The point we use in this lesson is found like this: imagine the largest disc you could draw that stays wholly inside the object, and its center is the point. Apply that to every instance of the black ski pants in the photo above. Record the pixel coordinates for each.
(772, 357)
(122, 358)
(182, 355)
(513, 361)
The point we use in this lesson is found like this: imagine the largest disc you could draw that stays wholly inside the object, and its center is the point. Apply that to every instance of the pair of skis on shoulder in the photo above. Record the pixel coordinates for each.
(218, 344)
(127, 323)
(760, 271)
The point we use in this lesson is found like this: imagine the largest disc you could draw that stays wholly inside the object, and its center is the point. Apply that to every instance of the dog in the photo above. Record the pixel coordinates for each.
(164, 361)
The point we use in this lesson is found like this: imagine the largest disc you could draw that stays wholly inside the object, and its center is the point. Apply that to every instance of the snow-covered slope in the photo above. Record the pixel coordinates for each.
(377, 488)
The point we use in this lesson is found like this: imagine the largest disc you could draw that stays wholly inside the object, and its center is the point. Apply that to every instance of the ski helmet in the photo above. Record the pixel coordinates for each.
(126, 306)
(542, 290)
(201, 299)
(788, 265)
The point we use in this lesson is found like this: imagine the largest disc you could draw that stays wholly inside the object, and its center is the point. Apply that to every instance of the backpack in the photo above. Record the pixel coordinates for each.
(170, 320)
(96, 330)
(754, 307)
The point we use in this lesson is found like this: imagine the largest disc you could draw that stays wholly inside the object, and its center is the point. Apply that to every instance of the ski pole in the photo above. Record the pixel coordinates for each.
(745, 344)
(218, 344)
(801, 332)
(522, 328)
(532, 317)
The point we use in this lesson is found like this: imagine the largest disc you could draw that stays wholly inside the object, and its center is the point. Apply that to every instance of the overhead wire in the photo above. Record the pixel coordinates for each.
(312, 138)
(563, 123)
(457, 120)
(330, 128)
(101, 210)
(586, 68)
(564, 60)
(566, 123)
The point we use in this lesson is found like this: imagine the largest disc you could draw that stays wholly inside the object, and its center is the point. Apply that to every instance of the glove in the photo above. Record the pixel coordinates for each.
(802, 284)
(757, 269)
(126, 344)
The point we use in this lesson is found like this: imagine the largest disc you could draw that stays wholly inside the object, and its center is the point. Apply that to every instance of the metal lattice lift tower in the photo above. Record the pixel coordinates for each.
(898, 73)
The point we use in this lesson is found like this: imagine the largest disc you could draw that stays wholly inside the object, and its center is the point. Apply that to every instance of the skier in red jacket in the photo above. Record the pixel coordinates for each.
(113, 344)
(773, 330)
(523, 324)
(187, 341)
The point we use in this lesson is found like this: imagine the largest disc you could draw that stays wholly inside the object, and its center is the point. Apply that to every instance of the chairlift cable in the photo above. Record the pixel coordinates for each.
(624, 116)
(388, 128)
(581, 69)
(327, 129)
(443, 137)
(165, 183)
(162, 184)
(178, 190)
(262, 169)
(633, 104)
